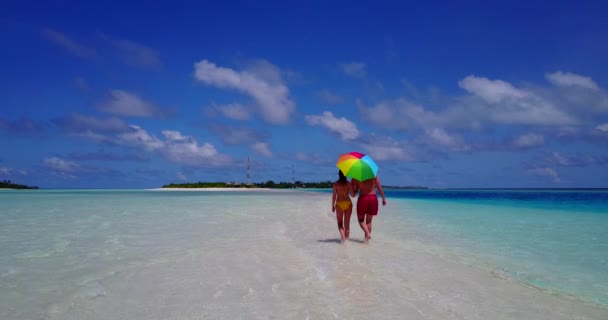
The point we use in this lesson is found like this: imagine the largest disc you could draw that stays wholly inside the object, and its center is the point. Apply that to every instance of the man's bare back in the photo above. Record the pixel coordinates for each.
(369, 186)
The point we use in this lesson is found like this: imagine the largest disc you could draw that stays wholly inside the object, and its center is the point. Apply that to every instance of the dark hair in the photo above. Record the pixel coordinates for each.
(341, 178)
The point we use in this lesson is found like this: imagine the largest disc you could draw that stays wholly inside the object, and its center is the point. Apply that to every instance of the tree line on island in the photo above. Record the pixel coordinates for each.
(7, 184)
(270, 184)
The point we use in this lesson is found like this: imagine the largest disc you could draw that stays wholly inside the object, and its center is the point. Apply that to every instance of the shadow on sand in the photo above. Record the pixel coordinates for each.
(337, 240)
(356, 240)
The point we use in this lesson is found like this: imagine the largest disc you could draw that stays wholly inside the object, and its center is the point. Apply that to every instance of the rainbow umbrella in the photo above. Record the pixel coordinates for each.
(357, 166)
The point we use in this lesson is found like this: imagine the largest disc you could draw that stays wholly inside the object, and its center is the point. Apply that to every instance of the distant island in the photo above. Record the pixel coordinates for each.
(405, 187)
(270, 184)
(7, 184)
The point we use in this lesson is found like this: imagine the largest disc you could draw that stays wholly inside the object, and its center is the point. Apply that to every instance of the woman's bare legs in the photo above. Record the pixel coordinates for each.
(340, 218)
(347, 215)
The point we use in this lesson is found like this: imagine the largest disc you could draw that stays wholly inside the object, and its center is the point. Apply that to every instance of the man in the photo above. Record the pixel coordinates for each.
(367, 203)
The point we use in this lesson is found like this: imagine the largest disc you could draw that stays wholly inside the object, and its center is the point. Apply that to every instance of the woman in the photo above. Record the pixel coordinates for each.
(342, 205)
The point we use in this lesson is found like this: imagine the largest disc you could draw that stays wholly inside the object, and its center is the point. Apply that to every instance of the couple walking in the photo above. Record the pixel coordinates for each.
(367, 203)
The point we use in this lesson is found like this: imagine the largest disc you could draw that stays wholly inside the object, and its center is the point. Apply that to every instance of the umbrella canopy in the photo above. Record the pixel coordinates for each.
(357, 166)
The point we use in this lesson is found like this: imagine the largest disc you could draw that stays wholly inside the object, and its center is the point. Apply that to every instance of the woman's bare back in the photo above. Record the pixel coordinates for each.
(342, 191)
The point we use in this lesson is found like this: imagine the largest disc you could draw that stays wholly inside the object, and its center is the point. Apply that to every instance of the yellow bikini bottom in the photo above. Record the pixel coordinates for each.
(344, 205)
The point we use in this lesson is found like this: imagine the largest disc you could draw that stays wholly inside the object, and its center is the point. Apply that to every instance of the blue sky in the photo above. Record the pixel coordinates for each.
(137, 95)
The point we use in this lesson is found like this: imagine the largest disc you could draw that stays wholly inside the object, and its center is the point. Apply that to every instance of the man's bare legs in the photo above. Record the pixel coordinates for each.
(368, 222)
(363, 226)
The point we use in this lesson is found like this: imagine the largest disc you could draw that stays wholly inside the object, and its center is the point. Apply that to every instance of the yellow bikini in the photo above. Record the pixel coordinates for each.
(344, 205)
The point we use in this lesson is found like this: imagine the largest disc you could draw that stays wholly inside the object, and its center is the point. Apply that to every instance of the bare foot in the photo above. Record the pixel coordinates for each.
(366, 240)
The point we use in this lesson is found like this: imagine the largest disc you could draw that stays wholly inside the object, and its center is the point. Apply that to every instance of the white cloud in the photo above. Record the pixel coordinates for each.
(265, 71)
(140, 138)
(531, 110)
(559, 159)
(124, 103)
(492, 91)
(566, 79)
(345, 128)
(488, 102)
(355, 69)
(385, 148)
(61, 165)
(386, 114)
(70, 169)
(262, 148)
(174, 136)
(602, 127)
(585, 160)
(273, 98)
(11, 172)
(399, 114)
(175, 147)
(529, 140)
(69, 44)
(443, 138)
(499, 102)
(545, 172)
(186, 150)
(272, 74)
(381, 152)
(235, 111)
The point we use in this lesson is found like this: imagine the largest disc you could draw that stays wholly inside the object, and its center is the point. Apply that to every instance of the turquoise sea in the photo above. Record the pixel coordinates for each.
(434, 254)
(554, 239)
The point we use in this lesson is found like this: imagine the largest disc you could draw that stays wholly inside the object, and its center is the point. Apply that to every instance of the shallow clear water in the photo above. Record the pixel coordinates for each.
(554, 239)
(135, 254)
(558, 247)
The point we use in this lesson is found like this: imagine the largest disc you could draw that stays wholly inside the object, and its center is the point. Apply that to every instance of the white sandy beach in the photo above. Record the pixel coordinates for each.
(250, 256)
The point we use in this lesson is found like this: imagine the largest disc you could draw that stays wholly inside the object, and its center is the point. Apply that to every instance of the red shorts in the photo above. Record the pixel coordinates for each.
(367, 204)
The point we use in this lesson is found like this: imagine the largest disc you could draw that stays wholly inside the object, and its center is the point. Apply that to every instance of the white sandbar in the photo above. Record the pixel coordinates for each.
(242, 256)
